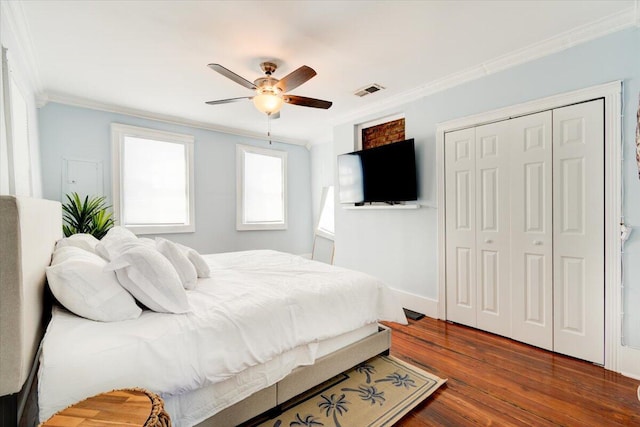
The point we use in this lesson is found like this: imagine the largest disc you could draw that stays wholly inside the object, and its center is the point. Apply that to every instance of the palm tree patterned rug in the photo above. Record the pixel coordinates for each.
(375, 393)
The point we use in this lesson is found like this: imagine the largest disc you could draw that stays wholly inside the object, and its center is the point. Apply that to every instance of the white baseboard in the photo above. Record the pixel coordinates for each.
(424, 305)
(628, 362)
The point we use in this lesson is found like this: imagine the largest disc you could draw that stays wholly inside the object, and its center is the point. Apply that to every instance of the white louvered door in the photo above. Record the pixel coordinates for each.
(531, 230)
(578, 217)
(460, 226)
(492, 228)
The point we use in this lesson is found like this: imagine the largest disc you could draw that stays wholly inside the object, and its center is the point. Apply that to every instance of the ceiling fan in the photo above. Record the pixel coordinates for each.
(271, 93)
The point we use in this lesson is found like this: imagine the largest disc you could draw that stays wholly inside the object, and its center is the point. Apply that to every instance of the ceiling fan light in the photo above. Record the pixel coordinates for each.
(268, 103)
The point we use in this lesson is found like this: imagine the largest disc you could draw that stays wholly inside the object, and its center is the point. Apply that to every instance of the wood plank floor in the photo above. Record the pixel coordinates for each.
(496, 381)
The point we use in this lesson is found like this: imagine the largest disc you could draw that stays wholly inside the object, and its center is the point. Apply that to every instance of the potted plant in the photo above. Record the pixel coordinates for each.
(90, 216)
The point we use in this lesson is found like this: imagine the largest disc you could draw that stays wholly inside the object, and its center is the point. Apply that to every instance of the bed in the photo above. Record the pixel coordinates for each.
(248, 360)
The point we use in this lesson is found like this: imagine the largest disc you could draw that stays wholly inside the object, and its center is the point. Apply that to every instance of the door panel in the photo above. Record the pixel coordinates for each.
(579, 230)
(463, 269)
(489, 202)
(535, 292)
(573, 311)
(492, 228)
(490, 282)
(525, 229)
(571, 188)
(462, 200)
(460, 226)
(535, 178)
(531, 230)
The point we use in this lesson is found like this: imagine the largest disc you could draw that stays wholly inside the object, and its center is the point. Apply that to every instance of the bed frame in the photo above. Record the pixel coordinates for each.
(29, 229)
(302, 379)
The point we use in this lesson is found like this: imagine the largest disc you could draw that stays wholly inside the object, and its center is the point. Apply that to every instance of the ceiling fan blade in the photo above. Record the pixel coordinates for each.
(295, 78)
(307, 102)
(227, 101)
(231, 75)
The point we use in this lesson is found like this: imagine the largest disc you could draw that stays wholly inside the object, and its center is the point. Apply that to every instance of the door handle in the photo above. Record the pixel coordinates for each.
(488, 241)
(537, 242)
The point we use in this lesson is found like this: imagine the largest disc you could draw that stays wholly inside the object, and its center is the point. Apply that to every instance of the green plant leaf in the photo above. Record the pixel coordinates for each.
(89, 216)
(101, 222)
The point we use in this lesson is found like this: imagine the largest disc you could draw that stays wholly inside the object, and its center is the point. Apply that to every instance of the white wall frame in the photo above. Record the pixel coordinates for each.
(69, 186)
(241, 224)
(118, 133)
(618, 358)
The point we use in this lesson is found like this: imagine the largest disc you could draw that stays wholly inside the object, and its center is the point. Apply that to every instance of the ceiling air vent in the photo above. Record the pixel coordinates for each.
(368, 89)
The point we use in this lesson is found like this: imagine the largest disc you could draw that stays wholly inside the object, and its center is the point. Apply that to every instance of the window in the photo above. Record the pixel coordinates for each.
(15, 153)
(326, 226)
(152, 180)
(261, 201)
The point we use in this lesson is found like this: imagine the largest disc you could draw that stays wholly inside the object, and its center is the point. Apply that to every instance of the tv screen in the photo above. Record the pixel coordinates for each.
(381, 174)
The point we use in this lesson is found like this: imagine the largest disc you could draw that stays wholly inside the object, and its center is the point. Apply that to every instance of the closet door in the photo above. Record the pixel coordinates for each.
(578, 169)
(532, 230)
(460, 226)
(492, 228)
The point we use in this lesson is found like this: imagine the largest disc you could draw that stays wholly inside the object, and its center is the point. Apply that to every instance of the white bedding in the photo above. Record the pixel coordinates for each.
(256, 306)
(195, 406)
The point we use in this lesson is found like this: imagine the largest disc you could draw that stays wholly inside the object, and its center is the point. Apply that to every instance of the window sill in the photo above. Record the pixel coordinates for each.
(254, 227)
(160, 229)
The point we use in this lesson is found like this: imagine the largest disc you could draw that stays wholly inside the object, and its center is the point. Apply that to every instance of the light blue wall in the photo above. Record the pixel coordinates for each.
(401, 246)
(84, 134)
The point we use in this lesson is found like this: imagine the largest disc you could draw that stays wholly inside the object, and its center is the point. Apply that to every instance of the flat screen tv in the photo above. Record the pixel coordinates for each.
(381, 174)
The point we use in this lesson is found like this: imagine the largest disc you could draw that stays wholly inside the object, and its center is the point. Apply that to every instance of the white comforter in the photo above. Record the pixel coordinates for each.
(256, 305)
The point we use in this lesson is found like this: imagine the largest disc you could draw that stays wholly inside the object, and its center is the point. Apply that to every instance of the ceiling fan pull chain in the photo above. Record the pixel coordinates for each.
(269, 127)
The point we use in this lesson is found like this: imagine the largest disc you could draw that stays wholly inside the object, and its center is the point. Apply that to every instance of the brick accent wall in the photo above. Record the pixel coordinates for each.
(383, 134)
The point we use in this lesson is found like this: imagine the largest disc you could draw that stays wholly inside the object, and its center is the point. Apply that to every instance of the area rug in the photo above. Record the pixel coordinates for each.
(375, 393)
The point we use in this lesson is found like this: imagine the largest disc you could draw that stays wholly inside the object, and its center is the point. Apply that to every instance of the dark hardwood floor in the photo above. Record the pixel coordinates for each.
(496, 381)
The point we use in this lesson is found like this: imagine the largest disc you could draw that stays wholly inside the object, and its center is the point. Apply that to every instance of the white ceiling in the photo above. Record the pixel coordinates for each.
(152, 56)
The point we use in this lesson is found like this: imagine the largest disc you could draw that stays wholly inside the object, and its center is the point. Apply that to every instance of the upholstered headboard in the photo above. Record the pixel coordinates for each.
(29, 229)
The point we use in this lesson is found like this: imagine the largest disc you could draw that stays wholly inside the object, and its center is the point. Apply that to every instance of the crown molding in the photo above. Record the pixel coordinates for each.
(19, 29)
(75, 101)
(626, 18)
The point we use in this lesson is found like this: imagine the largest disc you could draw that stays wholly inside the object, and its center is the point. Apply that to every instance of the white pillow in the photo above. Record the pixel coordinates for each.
(116, 241)
(121, 231)
(65, 253)
(80, 240)
(186, 271)
(79, 282)
(151, 279)
(202, 268)
(147, 241)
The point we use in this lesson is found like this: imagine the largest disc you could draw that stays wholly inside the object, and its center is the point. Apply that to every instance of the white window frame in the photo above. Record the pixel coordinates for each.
(16, 153)
(118, 133)
(241, 224)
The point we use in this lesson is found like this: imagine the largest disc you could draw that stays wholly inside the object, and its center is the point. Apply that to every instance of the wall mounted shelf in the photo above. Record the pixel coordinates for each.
(379, 207)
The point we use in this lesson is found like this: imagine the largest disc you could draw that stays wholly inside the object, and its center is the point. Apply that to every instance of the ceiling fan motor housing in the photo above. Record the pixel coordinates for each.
(267, 82)
(268, 68)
